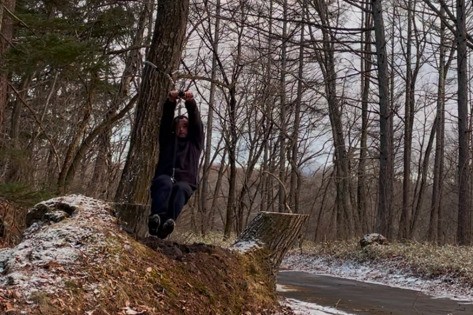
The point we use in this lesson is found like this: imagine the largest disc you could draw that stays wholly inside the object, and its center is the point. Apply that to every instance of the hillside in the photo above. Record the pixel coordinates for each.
(75, 259)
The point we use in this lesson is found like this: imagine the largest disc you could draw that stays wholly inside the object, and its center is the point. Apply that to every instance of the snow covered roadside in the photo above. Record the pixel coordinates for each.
(388, 274)
(304, 308)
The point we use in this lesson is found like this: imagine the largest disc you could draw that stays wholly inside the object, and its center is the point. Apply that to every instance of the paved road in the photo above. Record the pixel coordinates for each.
(365, 298)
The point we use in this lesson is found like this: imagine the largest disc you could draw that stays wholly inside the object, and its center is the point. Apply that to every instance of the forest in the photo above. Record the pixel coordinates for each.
(357, 113)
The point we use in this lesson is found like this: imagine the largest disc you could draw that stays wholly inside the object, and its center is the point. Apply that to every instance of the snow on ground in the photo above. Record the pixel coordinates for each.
(384, 274)
(245, 246)
(48, 247)
(304, 308)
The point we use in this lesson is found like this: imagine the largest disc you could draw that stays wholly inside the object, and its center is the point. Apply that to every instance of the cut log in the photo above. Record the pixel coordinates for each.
(272, 232)
(133, 218)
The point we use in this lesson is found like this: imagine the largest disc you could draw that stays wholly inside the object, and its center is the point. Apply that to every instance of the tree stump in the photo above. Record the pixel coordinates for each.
(274, 233)
(133, 218)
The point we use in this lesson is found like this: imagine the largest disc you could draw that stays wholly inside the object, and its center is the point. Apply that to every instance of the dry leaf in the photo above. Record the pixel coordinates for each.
(130, 311)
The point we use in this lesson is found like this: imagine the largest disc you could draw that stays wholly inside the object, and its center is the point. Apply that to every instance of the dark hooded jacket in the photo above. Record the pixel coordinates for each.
(183, 154)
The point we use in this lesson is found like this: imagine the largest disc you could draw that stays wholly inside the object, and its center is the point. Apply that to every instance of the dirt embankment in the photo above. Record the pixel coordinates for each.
(74, 259)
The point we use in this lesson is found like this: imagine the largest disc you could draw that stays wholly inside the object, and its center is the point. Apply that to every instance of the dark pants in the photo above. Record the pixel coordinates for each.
(168, 198)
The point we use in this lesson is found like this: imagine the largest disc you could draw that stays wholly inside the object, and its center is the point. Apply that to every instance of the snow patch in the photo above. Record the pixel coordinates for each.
(304, 308)
(246, 246)
(47, 257)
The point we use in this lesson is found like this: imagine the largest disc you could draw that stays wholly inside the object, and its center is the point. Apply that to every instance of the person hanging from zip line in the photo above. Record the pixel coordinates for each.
(181, 141)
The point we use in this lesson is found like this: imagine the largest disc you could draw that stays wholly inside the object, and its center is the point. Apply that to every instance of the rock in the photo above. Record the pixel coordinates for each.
(53, 211)
(371, 238)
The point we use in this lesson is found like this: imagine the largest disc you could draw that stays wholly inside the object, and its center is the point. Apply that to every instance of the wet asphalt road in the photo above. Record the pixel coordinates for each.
(365, 298)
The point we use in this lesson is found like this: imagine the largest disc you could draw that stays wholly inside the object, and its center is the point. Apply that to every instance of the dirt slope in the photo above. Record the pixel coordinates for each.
(74, 259)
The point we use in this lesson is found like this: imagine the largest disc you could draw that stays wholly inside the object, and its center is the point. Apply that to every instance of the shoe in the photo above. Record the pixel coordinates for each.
(154, 221)
(166, 228)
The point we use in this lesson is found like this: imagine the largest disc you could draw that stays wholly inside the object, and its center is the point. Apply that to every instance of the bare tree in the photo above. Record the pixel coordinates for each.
(366, 62)
(295, 181)
(326, 59)
(386, 157)
(268, 164)
(406, 212)
(435, 223)
(204, 186)
(282, 110)
(464, 194)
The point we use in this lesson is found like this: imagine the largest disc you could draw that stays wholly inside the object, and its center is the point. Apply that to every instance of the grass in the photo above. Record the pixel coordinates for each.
(211, 238)
(423, 259)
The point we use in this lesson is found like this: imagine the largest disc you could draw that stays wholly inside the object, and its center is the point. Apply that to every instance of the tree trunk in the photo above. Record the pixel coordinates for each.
(406, 213)
(386, 158)
(165, 53)
(435, 226)
(294, 190)
(133, 218)
(282, 113)
(266, 179)
(245, 199)
(273, 233)
(16, 168)
(232, 147)
(233, 133)
(423, 171)
(204, 186)
(218, 186)
(464, 202)
(69, 161)
(6, 33)
(365, 88)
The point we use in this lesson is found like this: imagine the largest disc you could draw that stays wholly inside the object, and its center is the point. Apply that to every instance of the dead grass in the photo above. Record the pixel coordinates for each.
(212, 238)
(422, 259)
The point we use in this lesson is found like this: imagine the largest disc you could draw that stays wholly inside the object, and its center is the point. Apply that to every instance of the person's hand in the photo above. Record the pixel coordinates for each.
(188, 95)
(173, 95)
